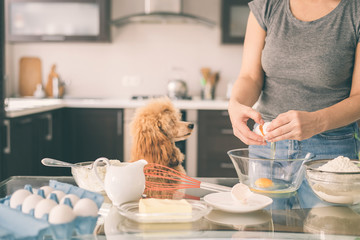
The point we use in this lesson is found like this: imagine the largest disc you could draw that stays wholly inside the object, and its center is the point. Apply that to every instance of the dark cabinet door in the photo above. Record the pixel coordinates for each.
(214, 140)
(50, 138)
(93, 133)
(29, 139)
(19, 153)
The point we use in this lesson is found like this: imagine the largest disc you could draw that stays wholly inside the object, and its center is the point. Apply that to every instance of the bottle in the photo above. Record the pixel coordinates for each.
(39, 92)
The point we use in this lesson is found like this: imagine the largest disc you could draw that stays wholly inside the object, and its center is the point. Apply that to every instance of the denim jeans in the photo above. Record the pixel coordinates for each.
(327, 145)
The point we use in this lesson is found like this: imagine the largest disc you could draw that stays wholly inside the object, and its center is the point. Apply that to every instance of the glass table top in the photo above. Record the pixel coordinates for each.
(300, 215)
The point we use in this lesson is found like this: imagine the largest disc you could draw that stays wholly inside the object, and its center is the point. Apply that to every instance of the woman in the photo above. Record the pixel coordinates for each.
(301, 62)
(301, 65)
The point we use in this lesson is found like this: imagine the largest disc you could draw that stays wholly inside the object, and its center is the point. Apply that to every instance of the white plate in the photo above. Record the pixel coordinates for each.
(223, 201)
(236, 220)
(131, 211)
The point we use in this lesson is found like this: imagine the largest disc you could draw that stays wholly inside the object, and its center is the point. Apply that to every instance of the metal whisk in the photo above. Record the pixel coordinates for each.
(162, 178)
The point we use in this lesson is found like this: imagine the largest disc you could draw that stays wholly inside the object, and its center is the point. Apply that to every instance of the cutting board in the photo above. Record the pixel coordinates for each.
(29, 75)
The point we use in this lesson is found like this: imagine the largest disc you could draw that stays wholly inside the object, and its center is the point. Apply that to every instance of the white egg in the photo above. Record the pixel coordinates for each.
(18, 197)
(30, 202)
(73, 199)
(241, 193)
(59, 194)
(47, 190)
(61, 214)
(44, 207)
(262, 129)
(86, 207)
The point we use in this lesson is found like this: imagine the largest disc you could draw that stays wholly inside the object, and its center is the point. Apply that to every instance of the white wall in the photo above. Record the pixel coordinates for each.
(146, 52)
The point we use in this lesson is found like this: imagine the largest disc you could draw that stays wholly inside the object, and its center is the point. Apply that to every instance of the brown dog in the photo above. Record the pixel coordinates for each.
(155, 128)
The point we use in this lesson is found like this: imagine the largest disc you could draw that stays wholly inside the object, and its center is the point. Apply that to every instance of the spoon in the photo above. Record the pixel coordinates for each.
(57, 163)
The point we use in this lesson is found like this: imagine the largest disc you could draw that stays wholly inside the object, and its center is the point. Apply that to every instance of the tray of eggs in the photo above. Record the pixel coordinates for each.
(58, 210)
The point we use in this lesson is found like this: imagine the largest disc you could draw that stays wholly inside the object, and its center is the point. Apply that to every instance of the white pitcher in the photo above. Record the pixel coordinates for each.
(124, 182)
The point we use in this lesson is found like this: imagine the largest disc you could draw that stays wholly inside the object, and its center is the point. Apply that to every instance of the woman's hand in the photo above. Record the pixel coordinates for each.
(293, 125)
(239, 115)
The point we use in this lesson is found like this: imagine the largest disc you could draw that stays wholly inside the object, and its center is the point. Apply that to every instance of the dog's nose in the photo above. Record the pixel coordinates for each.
(191, 125)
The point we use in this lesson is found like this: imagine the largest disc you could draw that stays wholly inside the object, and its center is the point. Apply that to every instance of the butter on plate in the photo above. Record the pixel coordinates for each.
(165, 208)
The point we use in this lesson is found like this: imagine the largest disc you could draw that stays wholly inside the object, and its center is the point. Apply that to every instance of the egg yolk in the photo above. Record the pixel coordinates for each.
(264, 183)
(261, 130)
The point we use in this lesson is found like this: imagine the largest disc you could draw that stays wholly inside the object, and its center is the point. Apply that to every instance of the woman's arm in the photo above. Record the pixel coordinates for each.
(248, 86)
(300, 125)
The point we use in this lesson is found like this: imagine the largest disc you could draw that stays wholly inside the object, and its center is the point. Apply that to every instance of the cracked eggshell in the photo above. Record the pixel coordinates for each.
(61, 214)
(18, 197)
(241, 193)
(264, 131)
(86, 207)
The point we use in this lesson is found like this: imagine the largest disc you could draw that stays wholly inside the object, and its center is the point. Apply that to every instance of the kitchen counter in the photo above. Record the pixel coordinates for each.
(287, 218)
(17, 107)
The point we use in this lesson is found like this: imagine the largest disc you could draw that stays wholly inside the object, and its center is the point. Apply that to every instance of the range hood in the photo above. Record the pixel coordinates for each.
(162, 11)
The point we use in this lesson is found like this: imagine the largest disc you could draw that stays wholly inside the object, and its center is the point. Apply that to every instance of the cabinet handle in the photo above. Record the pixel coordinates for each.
(7, 149)
(226, 165)
(25, 121)
(227, 131)
(119, 122)
(52, 38)
(49, 136)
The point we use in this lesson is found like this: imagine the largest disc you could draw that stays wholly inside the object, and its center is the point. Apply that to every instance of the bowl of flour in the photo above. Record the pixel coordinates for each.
(85, 177)
(335, 180)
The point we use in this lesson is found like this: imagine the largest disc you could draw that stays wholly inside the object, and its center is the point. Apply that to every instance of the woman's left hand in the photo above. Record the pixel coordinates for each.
(293, 125)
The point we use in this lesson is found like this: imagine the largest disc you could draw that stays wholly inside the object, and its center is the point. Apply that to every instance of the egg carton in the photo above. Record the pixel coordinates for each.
(14, 224)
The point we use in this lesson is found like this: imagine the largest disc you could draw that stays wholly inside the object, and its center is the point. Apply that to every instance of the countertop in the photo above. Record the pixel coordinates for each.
(286, 218)
(17, 107)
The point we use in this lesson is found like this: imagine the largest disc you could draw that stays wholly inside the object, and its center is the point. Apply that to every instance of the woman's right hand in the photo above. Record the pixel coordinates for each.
(239, 116)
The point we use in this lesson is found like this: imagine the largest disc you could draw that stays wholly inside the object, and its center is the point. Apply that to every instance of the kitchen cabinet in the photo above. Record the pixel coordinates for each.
(215, 138)
(28, 140)
(58, 20)
(91, 133)
(234, 15)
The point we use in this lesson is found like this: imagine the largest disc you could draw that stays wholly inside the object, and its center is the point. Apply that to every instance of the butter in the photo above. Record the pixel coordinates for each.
(166, 207)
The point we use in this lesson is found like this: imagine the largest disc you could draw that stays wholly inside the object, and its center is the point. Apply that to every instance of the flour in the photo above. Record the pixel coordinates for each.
(86, 178)
(340, 164)
(332, 185)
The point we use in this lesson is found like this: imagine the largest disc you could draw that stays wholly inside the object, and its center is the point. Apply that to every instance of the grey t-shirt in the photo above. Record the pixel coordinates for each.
(308, 65)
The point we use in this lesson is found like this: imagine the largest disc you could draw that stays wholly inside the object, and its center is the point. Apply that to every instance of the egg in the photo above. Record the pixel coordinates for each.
(44, 207)
(59, 194)
(262, 129)
(241, 193)
(86, 207)
(18, 197)
(47, 190)
(61, 214)
(264, 183)
(72, 197)
(30, 202)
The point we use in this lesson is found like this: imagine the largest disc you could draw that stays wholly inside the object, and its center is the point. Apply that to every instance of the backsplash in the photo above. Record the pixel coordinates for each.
(138, 61)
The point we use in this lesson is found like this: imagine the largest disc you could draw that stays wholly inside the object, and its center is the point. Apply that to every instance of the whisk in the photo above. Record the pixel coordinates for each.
(156, 173)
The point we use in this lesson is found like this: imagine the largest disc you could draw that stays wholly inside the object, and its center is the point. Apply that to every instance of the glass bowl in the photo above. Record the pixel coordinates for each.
(268, 172)
(333, 187)
(85, 177)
